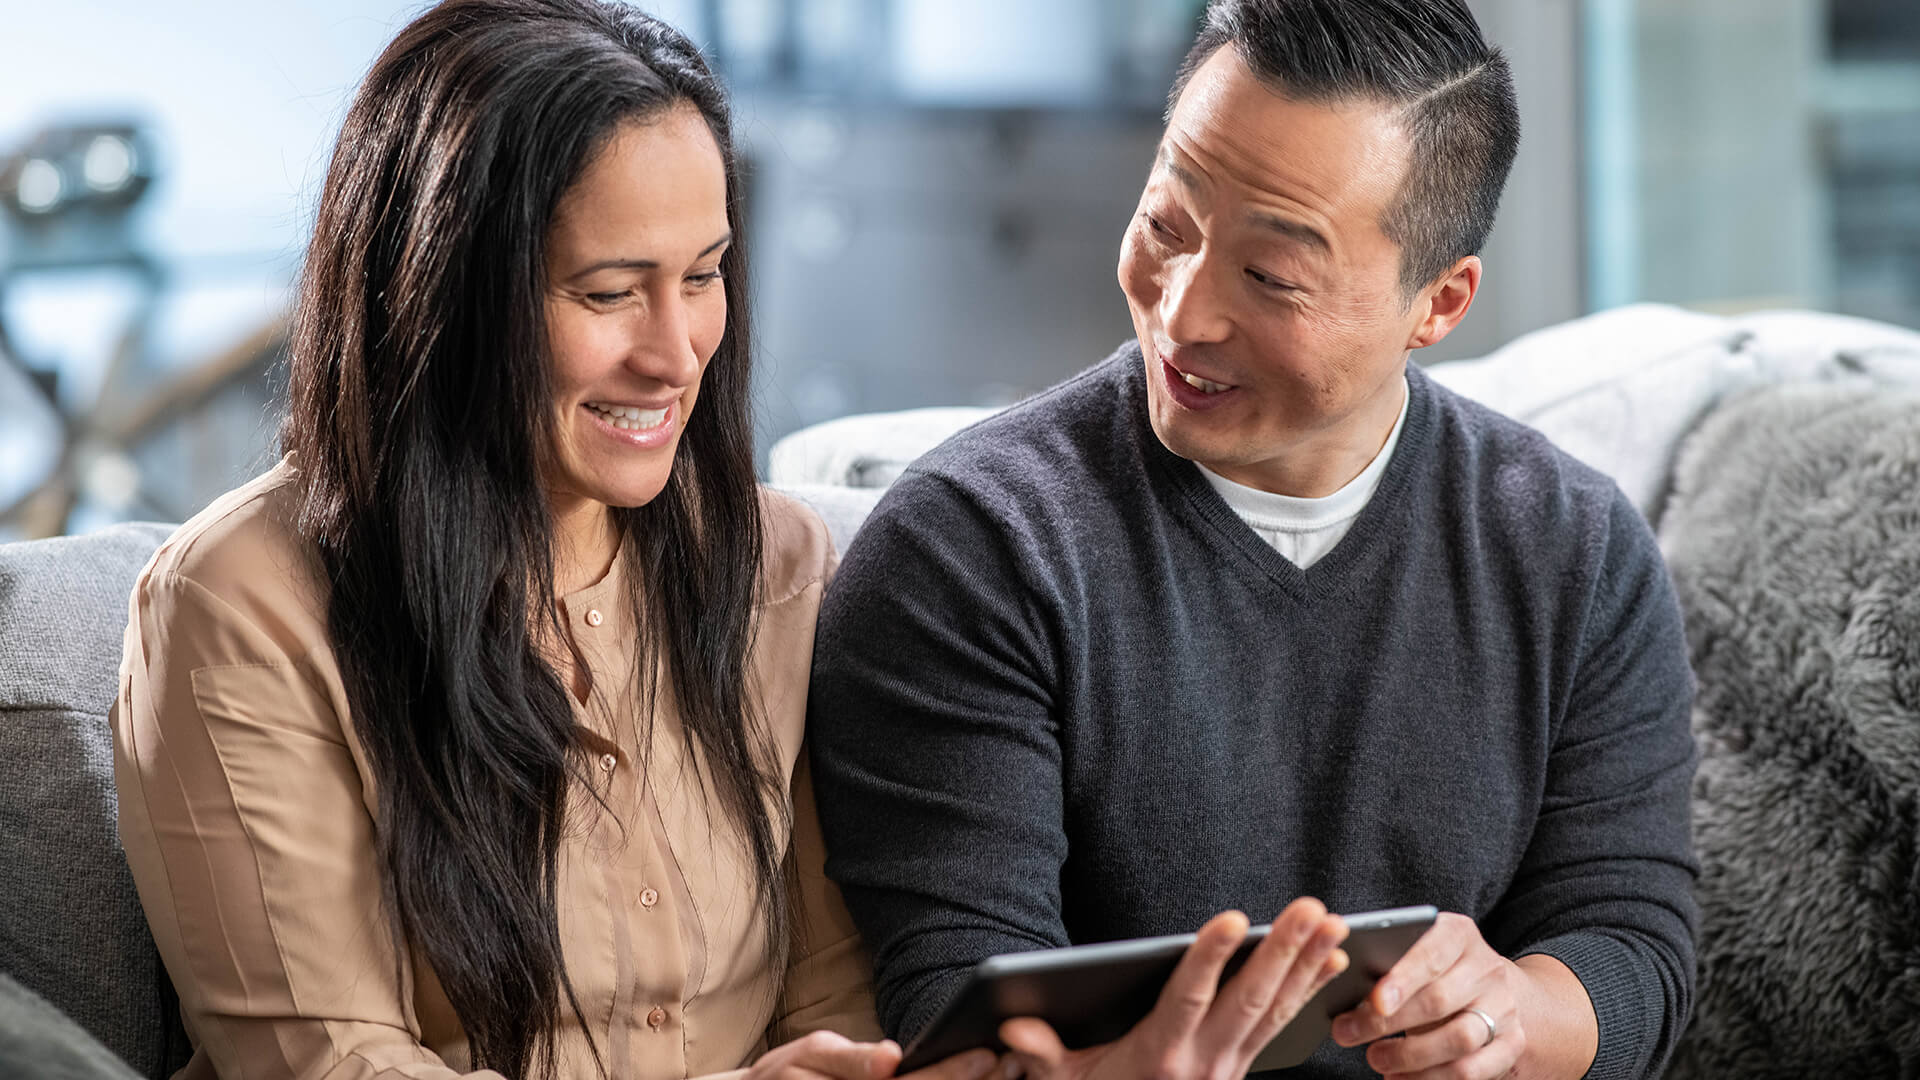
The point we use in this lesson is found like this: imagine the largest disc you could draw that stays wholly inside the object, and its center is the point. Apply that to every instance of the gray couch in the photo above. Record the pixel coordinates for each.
(1781, 464)
(71, 928)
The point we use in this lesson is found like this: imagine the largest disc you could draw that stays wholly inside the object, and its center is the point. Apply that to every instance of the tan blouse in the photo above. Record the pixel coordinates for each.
(247, 813)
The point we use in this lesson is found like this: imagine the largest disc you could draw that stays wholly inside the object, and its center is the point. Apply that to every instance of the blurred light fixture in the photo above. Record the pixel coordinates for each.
(95, 170)
(108, 164)
(40, 186)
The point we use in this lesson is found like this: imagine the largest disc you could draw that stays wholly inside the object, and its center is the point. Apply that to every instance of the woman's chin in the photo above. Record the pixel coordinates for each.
(623, 493)
(628, 497)
(623, 479)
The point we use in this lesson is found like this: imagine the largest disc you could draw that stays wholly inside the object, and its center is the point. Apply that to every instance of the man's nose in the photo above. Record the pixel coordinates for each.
(1191, 310)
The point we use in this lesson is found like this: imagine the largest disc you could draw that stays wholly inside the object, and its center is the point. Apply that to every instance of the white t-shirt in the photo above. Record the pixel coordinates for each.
(1304, 530)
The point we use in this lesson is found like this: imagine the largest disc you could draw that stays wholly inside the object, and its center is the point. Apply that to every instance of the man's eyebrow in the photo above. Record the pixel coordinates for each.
(1297, 231)
(1180, 172)
(644, 264)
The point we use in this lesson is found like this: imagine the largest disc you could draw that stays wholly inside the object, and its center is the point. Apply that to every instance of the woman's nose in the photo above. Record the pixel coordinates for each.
(663, 346)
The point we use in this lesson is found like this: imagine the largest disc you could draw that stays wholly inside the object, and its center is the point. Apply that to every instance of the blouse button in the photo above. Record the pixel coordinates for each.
(608, 761)
(657, 1017)
(649, 897)
(594, 618)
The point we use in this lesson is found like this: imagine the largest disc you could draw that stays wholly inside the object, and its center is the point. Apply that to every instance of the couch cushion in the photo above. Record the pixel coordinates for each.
(843, 509)
(870, 450)
(1620, 389)
(1794, 540)
(71, 926)
(37, 1041)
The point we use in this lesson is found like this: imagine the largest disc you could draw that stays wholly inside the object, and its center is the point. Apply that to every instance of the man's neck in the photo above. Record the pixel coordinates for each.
(1325, 462)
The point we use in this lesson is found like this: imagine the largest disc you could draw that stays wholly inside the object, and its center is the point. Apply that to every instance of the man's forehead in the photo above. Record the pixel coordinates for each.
(1289, 228)
(1231, 125)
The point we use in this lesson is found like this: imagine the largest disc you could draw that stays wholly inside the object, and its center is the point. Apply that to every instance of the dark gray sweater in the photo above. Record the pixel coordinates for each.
(1061, 694)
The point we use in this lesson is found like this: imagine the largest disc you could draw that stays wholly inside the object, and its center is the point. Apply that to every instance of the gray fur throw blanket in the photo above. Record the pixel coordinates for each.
(1793, 533)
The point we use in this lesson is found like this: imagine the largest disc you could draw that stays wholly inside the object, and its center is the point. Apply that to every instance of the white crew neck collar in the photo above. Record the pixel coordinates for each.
(1288, 513)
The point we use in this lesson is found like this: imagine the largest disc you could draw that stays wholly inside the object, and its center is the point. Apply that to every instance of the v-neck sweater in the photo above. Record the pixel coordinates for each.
(1304, 529)
(1063, 694)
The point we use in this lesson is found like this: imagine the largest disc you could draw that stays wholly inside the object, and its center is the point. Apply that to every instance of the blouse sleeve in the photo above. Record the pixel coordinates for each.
(248, 829)
(830, 978)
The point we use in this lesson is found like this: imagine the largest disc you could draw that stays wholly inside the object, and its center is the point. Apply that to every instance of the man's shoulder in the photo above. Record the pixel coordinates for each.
(1517, 480)
(1035, 477)
(1053, 441)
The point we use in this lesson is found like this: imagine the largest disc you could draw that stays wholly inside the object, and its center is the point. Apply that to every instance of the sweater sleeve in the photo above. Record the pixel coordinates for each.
(1606, 884)
(936, 749)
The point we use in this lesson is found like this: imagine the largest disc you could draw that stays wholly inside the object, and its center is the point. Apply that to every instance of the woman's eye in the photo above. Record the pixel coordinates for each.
(701, 281)
(605, 298)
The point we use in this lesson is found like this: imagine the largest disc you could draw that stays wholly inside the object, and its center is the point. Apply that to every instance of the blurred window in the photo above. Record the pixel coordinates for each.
(1754, 153)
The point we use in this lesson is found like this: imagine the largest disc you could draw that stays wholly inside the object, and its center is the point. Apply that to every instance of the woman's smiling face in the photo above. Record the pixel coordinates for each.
(635, 307)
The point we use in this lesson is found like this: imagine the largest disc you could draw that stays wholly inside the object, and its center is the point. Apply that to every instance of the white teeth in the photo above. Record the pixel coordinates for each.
(1203, 385)
(628, 418)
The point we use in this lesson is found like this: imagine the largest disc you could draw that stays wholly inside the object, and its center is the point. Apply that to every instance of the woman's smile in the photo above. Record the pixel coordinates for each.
(635, 426)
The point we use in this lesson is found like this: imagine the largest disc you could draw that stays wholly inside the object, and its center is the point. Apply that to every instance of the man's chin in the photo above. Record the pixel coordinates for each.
(1175, 432)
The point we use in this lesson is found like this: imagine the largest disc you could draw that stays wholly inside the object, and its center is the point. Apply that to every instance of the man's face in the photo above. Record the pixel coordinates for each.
(1256, 267)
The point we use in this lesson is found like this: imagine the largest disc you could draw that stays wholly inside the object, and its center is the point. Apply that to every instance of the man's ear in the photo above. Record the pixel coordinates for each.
(1444, 303)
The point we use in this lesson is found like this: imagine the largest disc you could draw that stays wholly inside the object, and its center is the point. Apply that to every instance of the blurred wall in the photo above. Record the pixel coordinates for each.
(1535, 258)
(938, 190)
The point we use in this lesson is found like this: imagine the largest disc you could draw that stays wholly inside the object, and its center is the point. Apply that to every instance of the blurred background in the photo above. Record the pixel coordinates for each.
(937, 194)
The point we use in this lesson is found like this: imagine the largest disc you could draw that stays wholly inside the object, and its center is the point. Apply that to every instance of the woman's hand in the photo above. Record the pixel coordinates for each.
(1201, 1030)
(824, 1055)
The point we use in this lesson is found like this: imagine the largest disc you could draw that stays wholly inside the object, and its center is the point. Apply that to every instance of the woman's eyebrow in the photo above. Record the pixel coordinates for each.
(644, 264)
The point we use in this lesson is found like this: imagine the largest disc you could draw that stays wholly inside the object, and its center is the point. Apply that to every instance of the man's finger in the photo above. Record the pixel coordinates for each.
(1279, 975)
(1437, 950)
(1312, 968)
(1191, 988)
(1033, 1039)
(1458, 1045)
(1439, 1000)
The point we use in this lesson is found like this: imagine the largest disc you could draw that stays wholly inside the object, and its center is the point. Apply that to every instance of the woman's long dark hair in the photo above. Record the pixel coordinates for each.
(419, 417)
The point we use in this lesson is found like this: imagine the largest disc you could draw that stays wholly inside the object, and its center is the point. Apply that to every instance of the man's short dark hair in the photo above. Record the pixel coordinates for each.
(1425, 57)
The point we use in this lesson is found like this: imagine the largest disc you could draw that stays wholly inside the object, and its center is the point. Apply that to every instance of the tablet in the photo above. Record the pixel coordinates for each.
(1093, 994)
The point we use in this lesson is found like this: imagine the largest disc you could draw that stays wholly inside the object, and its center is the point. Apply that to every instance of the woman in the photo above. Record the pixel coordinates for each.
(468, 737)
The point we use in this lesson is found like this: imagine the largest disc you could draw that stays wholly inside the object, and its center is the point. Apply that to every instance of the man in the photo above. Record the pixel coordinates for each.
(1254, 611)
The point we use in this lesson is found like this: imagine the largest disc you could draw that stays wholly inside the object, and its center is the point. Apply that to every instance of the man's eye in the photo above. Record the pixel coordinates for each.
(1268, 281)
(1159, 229)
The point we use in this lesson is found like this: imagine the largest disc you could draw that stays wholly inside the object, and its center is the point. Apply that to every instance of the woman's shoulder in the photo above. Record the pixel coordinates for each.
(241, 558)
(797, 554)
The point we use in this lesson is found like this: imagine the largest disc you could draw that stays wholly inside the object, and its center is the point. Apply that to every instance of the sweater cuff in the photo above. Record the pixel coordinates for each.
(1629, 1004)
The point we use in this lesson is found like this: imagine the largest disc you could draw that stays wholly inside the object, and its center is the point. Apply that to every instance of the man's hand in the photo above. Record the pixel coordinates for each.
(1437, 995)
(1201, 1030)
